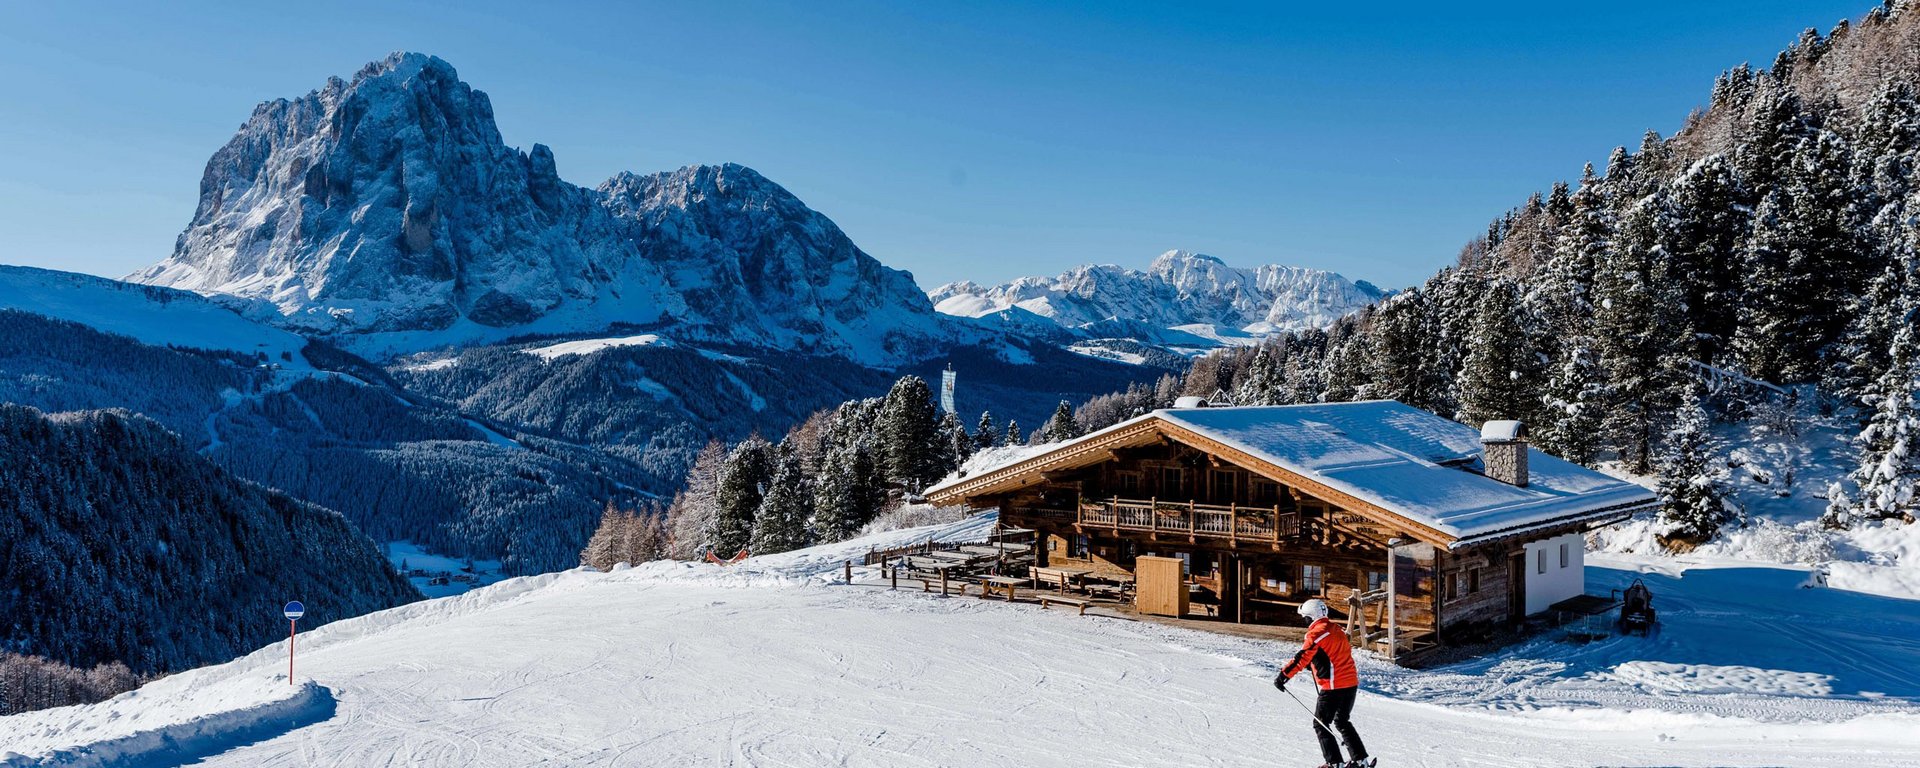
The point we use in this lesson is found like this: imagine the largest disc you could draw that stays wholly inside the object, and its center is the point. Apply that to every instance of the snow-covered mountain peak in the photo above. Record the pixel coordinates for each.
(1178, 291)
(386, 210)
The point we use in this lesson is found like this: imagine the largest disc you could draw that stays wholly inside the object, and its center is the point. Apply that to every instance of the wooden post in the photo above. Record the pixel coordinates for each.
(894, 575)
(943, 581)
(1393, 613)
(849, 571)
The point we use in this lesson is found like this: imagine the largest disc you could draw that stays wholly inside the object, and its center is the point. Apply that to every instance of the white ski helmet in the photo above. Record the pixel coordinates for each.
(1314, 610)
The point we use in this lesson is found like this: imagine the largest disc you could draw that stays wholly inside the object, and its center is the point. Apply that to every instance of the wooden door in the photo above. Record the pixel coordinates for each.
(1517, 587)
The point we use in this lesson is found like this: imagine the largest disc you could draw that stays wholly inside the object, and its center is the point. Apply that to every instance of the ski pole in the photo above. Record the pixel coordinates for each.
(1310, 714)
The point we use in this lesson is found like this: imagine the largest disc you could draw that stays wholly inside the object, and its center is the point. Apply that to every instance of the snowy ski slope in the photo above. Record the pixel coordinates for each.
(771, 663)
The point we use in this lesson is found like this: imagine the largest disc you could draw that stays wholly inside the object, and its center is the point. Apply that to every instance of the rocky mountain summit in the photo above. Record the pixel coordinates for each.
(387, 211)
(1192, 292)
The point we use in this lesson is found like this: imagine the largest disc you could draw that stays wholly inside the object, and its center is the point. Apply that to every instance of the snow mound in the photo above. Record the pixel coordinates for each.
(192, 722)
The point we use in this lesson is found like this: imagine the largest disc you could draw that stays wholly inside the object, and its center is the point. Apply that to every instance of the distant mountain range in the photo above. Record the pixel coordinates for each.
(1187, 301)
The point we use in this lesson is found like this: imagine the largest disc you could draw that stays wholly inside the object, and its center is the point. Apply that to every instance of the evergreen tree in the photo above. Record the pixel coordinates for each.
(1703, 239)
(1263, 384)
(1773, 320)
(959, 444)
(1500, 378)
(1575, 400)
(986, 434)
(1061, 426)
(1013, 433)
(1889, 470)
(742, 487)
(1638, 338)
(780, 524)
(1693, 490)
(912, 446)
(848, 493)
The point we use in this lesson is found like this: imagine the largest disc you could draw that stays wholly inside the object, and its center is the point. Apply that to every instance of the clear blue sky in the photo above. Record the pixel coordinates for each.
(978, 140)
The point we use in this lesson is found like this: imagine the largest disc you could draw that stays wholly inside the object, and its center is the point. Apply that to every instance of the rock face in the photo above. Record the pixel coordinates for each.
(1178, 289)
(387, 211)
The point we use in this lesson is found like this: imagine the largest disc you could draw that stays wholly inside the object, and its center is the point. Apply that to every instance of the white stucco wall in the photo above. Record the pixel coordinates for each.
(1557, 583)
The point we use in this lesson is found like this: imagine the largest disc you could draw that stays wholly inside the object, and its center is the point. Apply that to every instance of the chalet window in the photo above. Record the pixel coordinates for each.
(1223, 485)
(1263, 491)
(1077, 547)
(1128, 550)
(1473, 580)
(1540, 561)
(1186, 562)
(1129, 483)
(1172, 479)
(1456, 584)
(1376, 580)
(1311, 578)
(1563, 554)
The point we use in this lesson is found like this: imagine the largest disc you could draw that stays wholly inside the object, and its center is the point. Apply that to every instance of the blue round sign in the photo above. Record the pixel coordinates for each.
(295, 610)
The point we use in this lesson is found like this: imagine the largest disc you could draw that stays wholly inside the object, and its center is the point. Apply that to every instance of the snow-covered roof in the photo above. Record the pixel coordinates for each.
(1388, 455)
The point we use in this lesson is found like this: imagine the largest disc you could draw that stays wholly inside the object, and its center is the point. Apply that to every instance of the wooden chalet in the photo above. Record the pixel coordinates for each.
(1410, 525)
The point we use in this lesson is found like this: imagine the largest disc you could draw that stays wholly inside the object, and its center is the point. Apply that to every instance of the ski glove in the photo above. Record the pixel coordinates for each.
(1280, 682)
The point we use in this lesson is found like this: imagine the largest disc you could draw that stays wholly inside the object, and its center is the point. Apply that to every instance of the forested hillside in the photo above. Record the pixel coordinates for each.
(1764, 254)
(398, 469)
(121, 544)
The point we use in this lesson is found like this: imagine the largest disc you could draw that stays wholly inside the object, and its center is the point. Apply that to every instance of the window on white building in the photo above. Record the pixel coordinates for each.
(1563, 554)
(1540, 560)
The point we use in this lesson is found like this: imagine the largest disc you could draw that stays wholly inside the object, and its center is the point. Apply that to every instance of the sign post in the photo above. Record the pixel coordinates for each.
(293, 612)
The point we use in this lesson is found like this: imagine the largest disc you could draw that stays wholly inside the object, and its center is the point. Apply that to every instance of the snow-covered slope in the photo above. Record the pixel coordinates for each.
(773, 663)
(149, 314)
(1183, 299)
(387, 209)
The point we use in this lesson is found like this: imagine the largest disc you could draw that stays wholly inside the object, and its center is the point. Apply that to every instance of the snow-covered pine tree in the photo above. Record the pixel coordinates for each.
(690, 519)
(743, 484)
(780, 525)
(1500, 377)
(911, 443)
(1402, 362)
(1771, 312)
(1262, 384)
(1887, 481)
(1638, 339)
(986, 435)
(1061, 426)
(847, 494)
(1702, 237)
(1013, 433)
(1693, 489)
(959, 444)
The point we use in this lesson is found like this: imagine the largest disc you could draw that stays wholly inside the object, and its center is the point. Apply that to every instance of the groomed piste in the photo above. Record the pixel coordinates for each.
(772, 662)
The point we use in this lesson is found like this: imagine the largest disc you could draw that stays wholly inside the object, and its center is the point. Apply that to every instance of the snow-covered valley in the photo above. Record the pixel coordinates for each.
(775, 663)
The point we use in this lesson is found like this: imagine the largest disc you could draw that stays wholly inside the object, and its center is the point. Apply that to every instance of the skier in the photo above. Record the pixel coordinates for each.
(1329, 654)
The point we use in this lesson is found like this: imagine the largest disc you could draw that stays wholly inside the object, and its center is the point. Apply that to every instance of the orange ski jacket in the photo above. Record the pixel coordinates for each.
(1327, 652)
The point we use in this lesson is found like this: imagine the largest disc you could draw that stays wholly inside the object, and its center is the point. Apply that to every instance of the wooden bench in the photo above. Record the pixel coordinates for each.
(1046, 600)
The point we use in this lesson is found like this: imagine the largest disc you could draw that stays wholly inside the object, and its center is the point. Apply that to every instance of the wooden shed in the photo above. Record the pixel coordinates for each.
(1365, 505)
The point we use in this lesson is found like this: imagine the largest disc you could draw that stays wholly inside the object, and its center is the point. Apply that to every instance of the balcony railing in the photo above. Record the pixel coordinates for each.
(1181, 517)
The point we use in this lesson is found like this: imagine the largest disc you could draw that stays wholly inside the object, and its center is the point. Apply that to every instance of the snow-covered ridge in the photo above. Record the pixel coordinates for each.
(1201, 299)
(148, 314)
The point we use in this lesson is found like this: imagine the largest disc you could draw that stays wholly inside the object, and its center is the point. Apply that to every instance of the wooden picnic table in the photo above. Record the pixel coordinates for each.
(990, 550)
(989, 583)
(957, 557)
(1059, 576)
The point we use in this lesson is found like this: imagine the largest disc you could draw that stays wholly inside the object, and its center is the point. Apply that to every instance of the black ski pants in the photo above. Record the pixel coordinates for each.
(1335, 708)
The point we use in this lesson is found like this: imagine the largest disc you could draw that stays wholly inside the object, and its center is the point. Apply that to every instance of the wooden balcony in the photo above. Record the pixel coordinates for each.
(1185, 518)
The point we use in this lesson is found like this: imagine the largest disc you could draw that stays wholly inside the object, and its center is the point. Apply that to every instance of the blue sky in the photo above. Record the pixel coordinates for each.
(980, 140)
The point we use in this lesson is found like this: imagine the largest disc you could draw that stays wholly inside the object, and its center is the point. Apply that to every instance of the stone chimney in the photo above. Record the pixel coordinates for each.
(1503, 449)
